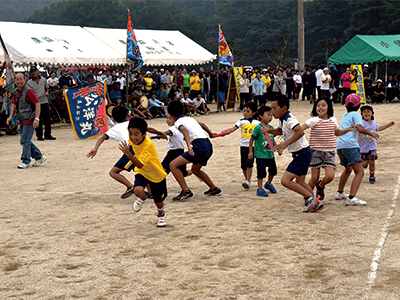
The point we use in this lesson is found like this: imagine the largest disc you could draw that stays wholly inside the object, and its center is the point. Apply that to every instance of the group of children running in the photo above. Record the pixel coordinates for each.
(257, 140)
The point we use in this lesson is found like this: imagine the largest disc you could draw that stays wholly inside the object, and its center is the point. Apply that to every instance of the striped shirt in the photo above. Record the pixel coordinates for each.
(322, 136)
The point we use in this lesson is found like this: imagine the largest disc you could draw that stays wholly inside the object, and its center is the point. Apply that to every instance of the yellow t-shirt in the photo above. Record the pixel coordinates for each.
(146, 153)
(195, 83)
(267, 82)
(148, 83)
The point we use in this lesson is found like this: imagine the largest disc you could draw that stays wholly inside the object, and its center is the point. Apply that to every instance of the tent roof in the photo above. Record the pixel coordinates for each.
(368, 49)
(28, 43)
(158, 47)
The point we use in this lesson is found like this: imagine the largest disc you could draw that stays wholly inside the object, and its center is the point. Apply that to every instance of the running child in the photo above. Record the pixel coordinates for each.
(199, 151)
(367, 144)
(348, 151)
(148, 168)
(297, 145)
(246, 126)
(263, 152)
(324, 128)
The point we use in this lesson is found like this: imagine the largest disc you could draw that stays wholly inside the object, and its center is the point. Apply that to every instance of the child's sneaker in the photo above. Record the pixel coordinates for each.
(270, 187)
(320, 191)
(129, 191)
(312, 201)
(355, 202)
(320, 206)
(137, 205)
(262, 193)
(341, 196)
(372, 180)
(149, 195)
(162, 221)
(213, 192)
(183, 196)
(246, 184)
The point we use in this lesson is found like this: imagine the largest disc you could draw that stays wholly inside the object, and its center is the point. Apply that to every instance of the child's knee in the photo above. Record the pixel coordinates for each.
(139, 192)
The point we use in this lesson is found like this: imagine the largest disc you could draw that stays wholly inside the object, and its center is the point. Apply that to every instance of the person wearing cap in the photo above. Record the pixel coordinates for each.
(378, 93)
(194, 84)
(325, 83)
(65, 80)
(348, 151)
(40, 86)
(346, 84)
(148, 80)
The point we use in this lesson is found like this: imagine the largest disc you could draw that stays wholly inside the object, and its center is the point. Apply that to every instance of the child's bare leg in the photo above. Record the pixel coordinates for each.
(302, 181)
(189, 173)
(287, 181)
(372, 165)
(260, 183)
(196, 169)
(314, 177)
(139, 192)
(359, 174)
(270, 177)
(115, 174)
(343, 178)
(365, 163)
(248, 174)
(160, 207)
(329, 175)
(179, 161)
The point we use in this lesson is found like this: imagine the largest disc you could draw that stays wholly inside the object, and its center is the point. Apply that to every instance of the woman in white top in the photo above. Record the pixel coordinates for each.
(244, 85)
(52, 78)
(298, 82)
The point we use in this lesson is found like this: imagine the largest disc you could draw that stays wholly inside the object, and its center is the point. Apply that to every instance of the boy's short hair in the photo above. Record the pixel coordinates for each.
(138, 123)
(263, 109)
(282, 101)
(175, 109)
(119, 113)
(252, 106)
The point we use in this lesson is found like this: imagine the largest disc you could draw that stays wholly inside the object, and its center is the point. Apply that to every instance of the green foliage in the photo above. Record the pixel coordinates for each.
(327, 45)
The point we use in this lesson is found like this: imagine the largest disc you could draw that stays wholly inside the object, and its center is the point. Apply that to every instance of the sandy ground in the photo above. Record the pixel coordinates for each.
(66, 234)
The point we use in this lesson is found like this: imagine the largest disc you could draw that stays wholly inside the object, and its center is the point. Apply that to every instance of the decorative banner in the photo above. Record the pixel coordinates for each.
(224, 53)
(360, 82)
(238, 73)
(9, 68)
(87, 110)
(133, 51)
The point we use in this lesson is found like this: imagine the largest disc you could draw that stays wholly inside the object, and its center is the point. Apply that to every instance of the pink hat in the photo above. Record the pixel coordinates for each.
(354, 99)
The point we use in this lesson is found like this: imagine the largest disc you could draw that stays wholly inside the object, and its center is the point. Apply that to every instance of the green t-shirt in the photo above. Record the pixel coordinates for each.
(261, 147)
(186, 78)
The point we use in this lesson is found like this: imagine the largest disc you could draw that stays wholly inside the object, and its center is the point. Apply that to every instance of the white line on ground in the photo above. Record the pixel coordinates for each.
(378, 250)
(57, 193)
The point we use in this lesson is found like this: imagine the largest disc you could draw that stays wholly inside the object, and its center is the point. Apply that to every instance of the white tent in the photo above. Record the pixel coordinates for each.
(158, 47)
(28, 43)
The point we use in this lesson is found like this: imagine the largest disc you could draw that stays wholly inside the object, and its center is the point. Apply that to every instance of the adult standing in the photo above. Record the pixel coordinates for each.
(258, 86)
(318, 75)
(334, 84)
(346, 84)
(244, 85)
(194, 84)
(223, 83)
(22, 103)
(367, 82)
(40, 86)
(186, 79)
(325, 82)
(278, 83)
(205, 87)
(213, 86)
(65, 80)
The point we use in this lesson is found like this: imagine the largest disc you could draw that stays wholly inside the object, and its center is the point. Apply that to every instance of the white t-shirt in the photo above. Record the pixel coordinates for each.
(175, 140)
(119, 132)
(297, 79)
(325, 86)
(122, 82)
(197, 103)
(187, 100)
(246, 126)
(287, 123)
(192, 126)
(318, 75)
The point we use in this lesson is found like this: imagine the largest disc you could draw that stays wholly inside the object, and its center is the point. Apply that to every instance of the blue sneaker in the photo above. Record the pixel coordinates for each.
(262, 193)
(270, 187)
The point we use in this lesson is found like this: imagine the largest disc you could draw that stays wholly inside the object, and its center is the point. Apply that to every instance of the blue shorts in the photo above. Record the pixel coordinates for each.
(202, 149)
(123, 162)
(301, 161)
(349, 156)
(158, 189)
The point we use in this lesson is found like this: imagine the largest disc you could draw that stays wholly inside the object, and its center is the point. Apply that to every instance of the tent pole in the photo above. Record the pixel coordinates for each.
(217, 98)
(127, 84)
(386, 66)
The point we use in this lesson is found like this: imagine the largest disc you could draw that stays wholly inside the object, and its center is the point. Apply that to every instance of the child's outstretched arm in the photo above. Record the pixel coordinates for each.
(383, 127)
(304, 126)
(155, 131)
(208, 130)
(232, 129)
(276, 131)
(250, 156)
(339, 132)
(124, 147)
(367, 132)
(298, 134)
(99, 141)
(186, 136)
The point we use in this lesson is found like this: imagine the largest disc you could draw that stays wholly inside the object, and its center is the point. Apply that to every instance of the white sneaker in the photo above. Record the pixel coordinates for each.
(39, 161)
(355, 202)
(24, 166)
(162, 221)
(137, 205)
(341, 196)
(246, 184)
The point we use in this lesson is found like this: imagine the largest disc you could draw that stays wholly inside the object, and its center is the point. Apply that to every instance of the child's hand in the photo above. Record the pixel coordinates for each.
(265, 130)
(124, 147)
(391, 123)
(280, 147)
(250, 156)
(91, 153)
(375, 135)
(352, 127)
(163, 136)
(190, 150)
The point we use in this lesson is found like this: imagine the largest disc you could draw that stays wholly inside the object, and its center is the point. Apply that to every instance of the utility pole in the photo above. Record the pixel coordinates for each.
(300, 32)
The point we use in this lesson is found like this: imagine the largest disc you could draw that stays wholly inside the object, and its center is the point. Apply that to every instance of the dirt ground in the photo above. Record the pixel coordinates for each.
(66, 234)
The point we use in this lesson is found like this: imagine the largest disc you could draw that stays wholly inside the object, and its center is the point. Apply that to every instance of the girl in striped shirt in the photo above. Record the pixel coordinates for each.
(324, 128)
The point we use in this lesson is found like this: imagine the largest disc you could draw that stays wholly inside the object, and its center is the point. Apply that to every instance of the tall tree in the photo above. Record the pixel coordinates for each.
(327, 45)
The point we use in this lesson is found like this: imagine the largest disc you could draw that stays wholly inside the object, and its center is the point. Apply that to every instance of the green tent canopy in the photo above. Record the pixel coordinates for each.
(368, 49)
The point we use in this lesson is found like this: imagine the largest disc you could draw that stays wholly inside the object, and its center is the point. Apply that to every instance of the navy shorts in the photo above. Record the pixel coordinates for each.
(262, 164)
(202, 149)
(158, 189)
(171, 155)
(245, 162)
(349, 156)
(301, 161)
(123, 162)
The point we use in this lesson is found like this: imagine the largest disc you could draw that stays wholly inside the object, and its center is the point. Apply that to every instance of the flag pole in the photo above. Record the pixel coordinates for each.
(217, 98)
(127, 66)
